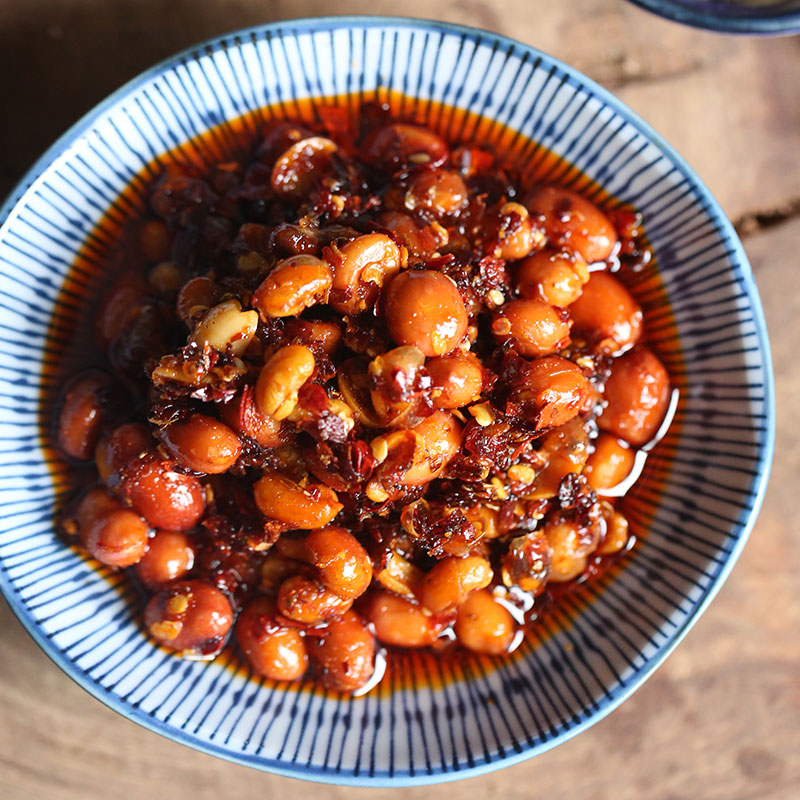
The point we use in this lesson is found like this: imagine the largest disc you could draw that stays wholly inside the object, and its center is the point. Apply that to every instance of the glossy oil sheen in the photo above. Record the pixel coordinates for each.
(104, 254)
(704, 317)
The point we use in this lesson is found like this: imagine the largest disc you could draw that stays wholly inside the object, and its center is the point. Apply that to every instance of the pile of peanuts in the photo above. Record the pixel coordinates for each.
(360, 389)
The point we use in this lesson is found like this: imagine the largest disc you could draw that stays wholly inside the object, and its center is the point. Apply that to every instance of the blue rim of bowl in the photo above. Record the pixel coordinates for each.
(752, 24)
(606, 705)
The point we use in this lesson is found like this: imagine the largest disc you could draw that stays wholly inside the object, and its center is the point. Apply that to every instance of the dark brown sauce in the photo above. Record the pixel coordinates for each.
(71, 343)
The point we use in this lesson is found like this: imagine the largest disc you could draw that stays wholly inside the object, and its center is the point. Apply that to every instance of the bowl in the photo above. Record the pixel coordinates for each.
(754, 17)
(431, 721)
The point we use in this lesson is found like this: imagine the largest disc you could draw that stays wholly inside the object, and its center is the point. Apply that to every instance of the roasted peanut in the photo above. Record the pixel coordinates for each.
(167, 499)
(301, 165)
(243, 416)
(566, 449)
(617, 534)
(569, 549)
(400, 576)
(178, 193)
(610, 462)
(607, 314)
(440, 193)
(226, 328)
(275, 651)
(399, 386)
(281, 378)
(483, 625)
(154, 240)
(457, 379)
(295, 284)
(484, 520)
(401, 622)
(571, 220)
(303, 508)
(555, 276)
(120, 306)
(344, 653)
(279, 135)
(534, 327)
(113, 534)
(360, 268)
(341, 561)
(293, 545)
(82, 414)
(126, 445)
(251, 262)
(515, 234)
(638, 395)
(165, 278)
(439, 438)
(170, 555)
(202, 444)
(296, 239)
(526, 563)
(275, 569)
(420, 242)
(452, 579)
(328, 335)
(402, 146)
(195, 297)
(424, 309)
(307, 601)
(192, 617)
(473, 159)
(552, 392)
(94, 505)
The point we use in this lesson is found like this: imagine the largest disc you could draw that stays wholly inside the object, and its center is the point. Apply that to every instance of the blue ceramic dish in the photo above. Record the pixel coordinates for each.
(729, 16)
(699, 495)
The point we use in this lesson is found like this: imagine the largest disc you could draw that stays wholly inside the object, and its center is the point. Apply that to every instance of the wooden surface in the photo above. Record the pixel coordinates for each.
(721, 719)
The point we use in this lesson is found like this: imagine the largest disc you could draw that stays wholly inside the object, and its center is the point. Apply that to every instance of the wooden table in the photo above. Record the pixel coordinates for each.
(721, 719)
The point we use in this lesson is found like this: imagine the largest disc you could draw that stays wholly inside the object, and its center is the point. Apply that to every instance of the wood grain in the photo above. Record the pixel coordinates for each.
(721, 719)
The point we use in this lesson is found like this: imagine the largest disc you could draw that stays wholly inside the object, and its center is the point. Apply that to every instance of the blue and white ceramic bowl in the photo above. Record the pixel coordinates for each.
(754, 17)
(693, 511)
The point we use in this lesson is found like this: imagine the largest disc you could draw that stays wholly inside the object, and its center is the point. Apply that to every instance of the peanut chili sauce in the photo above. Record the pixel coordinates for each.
(72, 347)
